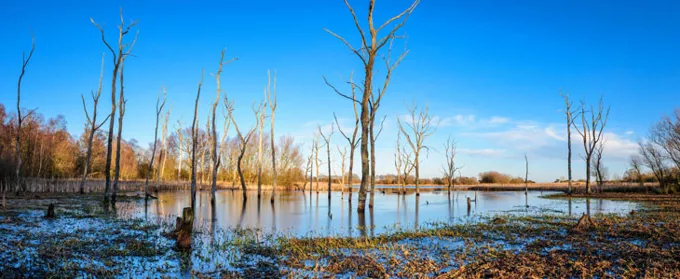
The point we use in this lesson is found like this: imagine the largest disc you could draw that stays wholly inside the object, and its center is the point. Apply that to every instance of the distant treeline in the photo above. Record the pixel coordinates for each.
(49, 151)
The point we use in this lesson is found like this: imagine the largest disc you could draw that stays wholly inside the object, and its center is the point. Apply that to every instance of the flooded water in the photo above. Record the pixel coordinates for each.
(304, 214)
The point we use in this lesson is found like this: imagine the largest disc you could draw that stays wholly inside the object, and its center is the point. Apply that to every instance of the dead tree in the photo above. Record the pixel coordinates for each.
(272, 106)
(259, 119)
(653, 158)
(311, 168)
(352, 140)
(327, 140)
(215, 160)
(591, 133)
(159, 108)
(343, 157)
(180, 138)
(599, 168)
(119, 56)
(526, 176)
(398, 162)
(636, 167)
(243, 144)
(92, 123)
(194, 135)
(450, 168)
(408, 165)
(421, 127)
(164, 143)
(666, 135)
(571, 115)
(316, 160)
(20, 118)
(371, 44)
(121, 113)
(374, 136)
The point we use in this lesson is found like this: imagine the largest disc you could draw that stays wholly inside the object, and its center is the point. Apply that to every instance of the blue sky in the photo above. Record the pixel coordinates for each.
(491, 71)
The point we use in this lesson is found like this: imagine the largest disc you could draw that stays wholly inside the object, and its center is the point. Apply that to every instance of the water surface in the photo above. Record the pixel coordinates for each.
(304, 214)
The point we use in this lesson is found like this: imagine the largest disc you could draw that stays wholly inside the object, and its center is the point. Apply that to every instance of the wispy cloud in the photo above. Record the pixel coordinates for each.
(486, 152)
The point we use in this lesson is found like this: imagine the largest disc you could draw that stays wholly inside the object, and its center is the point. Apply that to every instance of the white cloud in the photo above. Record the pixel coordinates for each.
(551, 133)
(498, 120)
(487, 152)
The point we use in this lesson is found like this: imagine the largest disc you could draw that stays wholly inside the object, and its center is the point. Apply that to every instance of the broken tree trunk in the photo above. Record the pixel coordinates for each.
(184, 228)
(50, 211)
(584, 224)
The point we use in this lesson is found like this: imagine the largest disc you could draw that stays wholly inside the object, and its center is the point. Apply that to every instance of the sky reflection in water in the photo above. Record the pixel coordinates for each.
(305, 214)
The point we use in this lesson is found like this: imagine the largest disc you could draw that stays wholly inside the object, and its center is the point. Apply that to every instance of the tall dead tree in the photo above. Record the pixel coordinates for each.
(351, 140)
(121, 113)
(92, 123)
(243, 140)
(450, 168)
(194, 135)
(591, 133)
(316, 160)
(180, 139)
(164, 143)
(259, 120)
(398, 162)
(599, 167)
(119, 56)
(215, 160)
(571, 115)
(272, 106)
(421, 127)
(343, 157)
(327, 140)
(159, 108)
(259, 112)
(374, 136)
(24, 64)
(371, 44)
(526, 176)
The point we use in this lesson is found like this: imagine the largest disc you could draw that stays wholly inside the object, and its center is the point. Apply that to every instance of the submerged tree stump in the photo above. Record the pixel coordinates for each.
(184, 227)
(50, 212)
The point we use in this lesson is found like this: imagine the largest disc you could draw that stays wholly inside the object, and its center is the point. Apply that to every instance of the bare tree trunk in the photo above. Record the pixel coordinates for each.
(272, 106)
(164, 142)
(92, 122)
(526, 177)
(244, 145)
(260, 124)
(570, 122)
(316, 161)
(159, 109)
(215, 160)
(194, 133)
(179, 151)
(327, 140)
(24, 64)
(372, 135)
(343, 156)
(121, 113)
(118, 58)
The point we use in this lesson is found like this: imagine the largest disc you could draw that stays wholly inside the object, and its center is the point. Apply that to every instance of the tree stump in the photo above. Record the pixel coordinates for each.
(185, 228)
(584, 224)
(50, 211)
